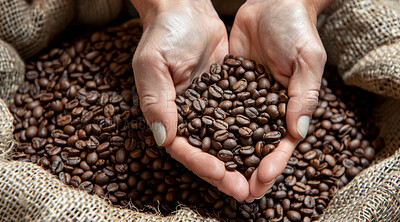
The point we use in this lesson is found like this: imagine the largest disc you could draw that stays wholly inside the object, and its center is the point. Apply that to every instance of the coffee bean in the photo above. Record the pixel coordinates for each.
(57, 166)
(242, 120)
(251, 112)
(245, 132)
(272, 136)
(109, 110)
(220, 124)
(246, 150)
(229, 144)
(225, 155)
(272, 111)
(121, 156)
(220, 135)
(194, 141)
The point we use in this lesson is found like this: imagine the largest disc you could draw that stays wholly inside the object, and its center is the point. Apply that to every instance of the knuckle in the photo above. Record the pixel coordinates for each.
(311, 98)
(148, 101)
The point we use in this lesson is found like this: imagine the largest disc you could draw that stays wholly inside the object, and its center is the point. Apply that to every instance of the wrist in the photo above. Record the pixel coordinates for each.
(149, 9)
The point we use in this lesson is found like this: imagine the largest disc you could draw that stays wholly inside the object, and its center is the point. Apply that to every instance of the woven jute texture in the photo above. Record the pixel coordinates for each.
(12, 71)
(6, 131)
(362, 39)
(97, 12)
(30, 27)
(29, 193)
(388, 115)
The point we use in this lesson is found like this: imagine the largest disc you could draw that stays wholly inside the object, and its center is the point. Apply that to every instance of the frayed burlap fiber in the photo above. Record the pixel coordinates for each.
(362, 39)
(30, 27)
(29, 193)
(12, 72)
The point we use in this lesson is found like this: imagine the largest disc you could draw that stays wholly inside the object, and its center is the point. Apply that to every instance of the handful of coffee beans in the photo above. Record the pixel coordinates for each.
(235, 112)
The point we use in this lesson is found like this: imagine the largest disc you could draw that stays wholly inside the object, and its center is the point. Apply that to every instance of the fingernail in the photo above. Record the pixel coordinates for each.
(302, 125)
(159, 133)
(270, 182)
(259, 197)
(266, 184)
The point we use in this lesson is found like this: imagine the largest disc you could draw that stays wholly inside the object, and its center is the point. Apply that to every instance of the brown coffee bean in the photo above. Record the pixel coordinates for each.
(272, 111)
(92, 158)
(225, 155)
(272, 136)
(121, 156)
(194, 141)
(221, 135)
(246, 150)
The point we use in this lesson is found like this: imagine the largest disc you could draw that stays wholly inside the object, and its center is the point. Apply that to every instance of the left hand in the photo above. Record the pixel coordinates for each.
(282, 34)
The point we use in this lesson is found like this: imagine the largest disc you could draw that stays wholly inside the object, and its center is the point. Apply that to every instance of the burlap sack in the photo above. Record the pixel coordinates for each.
(7, 141)
(30, 27)
(30, 193)
(12, 71)
(388, 120)
(97, 12)
(361, 38)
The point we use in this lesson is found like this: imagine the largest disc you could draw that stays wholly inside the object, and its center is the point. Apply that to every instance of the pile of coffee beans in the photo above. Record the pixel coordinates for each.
(77, 114)
(235, 112)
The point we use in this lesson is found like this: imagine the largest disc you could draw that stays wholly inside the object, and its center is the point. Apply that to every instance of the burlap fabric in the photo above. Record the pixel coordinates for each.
(30, 27)
(362, 37)
(12, 71)
(388, 115)
(6, 131)
(97, 12)
(29, 193)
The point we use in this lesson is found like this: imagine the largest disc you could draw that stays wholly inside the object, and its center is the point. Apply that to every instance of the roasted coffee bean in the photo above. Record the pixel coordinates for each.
(220, 124)
(246, 150)
(221, 135)
(272, 136)
(194, 141)
(242, 120)
(225, 155)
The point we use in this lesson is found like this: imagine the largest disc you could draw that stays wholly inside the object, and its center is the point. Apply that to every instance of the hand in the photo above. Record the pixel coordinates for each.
(283, 35)
(180, 40)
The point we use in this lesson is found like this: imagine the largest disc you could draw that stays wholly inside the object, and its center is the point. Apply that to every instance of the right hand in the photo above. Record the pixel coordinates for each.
(180, 40)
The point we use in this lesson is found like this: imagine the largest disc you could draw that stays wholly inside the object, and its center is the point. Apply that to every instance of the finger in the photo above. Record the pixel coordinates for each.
(157, 95)
(233, 184)
(199, 162)
(271, 166)
(303, 91)
(257, 187)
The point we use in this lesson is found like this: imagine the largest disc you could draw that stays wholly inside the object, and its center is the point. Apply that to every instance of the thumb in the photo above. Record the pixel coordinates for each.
(157, 97)
(303, 91)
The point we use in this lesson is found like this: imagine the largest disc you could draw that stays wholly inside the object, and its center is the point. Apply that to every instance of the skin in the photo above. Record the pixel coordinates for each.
(183, 37)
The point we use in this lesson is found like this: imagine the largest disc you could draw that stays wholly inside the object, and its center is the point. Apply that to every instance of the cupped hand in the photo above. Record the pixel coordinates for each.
(180, 40)
(282, 35)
